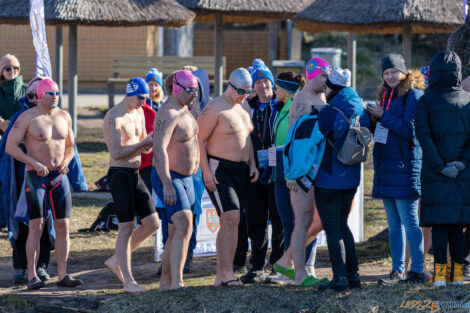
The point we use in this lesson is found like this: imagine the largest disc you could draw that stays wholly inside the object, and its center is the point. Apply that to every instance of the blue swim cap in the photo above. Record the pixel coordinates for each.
(137, 86)
(154, 74)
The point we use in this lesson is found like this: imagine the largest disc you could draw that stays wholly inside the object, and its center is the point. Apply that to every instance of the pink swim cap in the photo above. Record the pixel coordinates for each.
(316, 66)
(185, 79)
(45, 85)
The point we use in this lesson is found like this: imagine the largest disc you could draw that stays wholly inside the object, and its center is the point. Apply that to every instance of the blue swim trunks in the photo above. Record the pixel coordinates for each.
(184, 189)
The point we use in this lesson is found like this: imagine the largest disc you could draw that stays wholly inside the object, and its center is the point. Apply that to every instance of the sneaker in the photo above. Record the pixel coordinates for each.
(413, 278)
(18, 276)
(338, 283)
(278, 279)
(36, 283)
(310, 270)
(466, 271)
(42, 274)
(392, 278)
(254, 276)
(354, 281)
(240, 269)
(188, 264)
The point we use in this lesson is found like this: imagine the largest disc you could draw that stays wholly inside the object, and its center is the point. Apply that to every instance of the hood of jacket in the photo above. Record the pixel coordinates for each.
(445, 71)
(348, 101)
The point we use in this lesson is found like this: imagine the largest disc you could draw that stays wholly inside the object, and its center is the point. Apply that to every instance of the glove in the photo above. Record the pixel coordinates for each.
(459, 165)
(450, 171)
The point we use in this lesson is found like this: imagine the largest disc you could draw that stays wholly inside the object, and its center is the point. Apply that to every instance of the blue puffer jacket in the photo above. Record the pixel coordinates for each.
(397, 164)
(333, 174)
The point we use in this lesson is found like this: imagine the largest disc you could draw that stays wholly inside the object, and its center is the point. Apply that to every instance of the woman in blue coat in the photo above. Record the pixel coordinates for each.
(397, 164)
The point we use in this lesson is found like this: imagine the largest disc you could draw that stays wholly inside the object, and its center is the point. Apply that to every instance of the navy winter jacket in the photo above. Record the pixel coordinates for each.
(397, 164)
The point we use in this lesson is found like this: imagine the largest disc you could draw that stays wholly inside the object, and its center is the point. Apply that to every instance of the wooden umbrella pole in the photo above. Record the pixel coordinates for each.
(219, 69)
(59, 61)
(352, 58)
(406, 45)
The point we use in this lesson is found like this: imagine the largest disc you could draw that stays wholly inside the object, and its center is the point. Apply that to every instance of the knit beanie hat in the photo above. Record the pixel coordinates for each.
(8, 59)
(395, 61)
(339, 77)
(154, 74)
(261, 71)
(31, 83)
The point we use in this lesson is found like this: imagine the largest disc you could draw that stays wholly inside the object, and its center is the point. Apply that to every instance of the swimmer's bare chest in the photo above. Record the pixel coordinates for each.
(131, 127)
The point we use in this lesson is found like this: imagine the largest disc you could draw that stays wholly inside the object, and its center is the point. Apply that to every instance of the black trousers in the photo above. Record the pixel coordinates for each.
(242, 243)
(260, 208)
(20, 260)
(452, 234)
(333, 207)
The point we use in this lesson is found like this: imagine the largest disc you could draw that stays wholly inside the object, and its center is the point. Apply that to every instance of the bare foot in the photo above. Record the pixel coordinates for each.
(113, 266)
(134, 288)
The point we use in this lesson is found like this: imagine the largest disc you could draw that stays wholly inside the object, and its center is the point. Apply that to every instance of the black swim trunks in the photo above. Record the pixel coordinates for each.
(231, 191)
(51, 191)
(129, 194)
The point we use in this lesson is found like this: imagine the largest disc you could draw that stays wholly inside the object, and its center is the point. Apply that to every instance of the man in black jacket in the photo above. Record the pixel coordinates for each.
(261, 205)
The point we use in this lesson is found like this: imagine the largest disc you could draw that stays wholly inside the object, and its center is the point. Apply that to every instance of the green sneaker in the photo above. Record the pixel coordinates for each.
(289, 272)
(312, 281)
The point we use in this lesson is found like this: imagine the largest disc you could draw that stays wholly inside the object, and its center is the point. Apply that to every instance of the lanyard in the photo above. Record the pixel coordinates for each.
(389, 100)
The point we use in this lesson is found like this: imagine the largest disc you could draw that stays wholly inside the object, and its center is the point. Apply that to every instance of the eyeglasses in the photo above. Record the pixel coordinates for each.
(52, 93)
(240, 91)
(190, 90)
(32, 95)
(9, 68)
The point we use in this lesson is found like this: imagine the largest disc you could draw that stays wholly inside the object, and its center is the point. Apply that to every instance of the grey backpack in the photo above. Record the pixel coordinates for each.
(356, 145)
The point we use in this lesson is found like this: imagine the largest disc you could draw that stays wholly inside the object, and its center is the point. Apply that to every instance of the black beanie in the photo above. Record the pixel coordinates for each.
(395, 61)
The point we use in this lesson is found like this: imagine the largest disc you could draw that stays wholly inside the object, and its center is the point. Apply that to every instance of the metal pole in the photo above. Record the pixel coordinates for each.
(59, 61)
(406, 45)
(73, 78)
(219, 67)
(352, 58)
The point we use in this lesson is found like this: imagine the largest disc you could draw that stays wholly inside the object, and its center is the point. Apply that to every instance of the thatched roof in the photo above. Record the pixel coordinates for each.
(167, 13)
(245, 10)
(381, 16)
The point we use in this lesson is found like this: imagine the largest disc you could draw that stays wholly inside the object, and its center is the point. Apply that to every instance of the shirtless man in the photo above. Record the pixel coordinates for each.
(176, 159)
(126, 137)
(307, 221)
(227, 160)
(47, 133)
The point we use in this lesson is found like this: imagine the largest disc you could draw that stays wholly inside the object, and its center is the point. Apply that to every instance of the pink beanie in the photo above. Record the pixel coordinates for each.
(185, 79)
(45, 85)
(316, 66)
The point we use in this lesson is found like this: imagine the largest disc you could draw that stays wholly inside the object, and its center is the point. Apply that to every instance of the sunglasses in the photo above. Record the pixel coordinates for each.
(9, 68)
(52, 93)
(32, 95)
(190, 90)
(240, 91)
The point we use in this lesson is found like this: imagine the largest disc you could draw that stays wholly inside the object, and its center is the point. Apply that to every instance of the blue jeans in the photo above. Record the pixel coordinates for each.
(286, 214)
(402, 217)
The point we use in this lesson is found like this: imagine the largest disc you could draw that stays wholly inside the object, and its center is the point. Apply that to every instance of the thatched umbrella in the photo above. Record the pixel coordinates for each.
(220, 11)
(166, 13)
(382, 16)
(460, 43)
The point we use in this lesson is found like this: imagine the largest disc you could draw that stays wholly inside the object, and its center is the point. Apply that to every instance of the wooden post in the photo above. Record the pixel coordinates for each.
(352, 58)
(73, 78)
(59, 61)
(219, 67)
(273, 28)
(406, 45)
